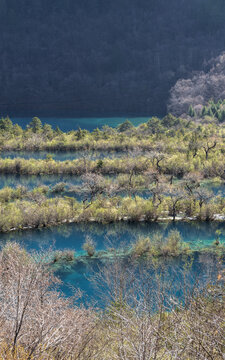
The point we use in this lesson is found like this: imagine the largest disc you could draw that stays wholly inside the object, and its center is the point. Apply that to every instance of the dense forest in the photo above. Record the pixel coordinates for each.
(92, 57)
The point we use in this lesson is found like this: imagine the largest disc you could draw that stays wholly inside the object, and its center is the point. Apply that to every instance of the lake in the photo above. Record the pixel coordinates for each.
(120, 235)
(67, 124)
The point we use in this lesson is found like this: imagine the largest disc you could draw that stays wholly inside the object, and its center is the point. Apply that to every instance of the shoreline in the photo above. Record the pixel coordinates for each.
(219, 218)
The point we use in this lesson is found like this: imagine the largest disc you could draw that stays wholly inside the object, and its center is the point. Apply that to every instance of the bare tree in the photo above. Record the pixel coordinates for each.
(175, 194)
(194, 144)
(207, 148)
(146, 320)
(202, 196)
(156, 158)
(33, 315)
(192, 182)
(93, 185)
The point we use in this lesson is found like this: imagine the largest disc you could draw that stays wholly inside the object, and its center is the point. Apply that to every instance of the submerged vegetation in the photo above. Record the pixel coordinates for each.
(155, 247)
(142, 316)
(172, 245)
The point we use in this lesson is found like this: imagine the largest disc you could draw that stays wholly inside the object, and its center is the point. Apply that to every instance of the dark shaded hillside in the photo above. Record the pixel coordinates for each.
(92, 57)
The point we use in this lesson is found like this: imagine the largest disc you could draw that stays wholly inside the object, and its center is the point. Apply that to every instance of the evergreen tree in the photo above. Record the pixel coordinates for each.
(48, 131)
(17, 130)
(204, 111)
(36, 124)
(210, 113)
(126, 125)
(58, 131)
(191, 111)
(6, 124)
(154, 124)
(222, 116)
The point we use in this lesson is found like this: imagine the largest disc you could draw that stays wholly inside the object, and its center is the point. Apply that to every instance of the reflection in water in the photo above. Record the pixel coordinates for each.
(176, 275)
(33, 181)
(72, 236)
(62, 155)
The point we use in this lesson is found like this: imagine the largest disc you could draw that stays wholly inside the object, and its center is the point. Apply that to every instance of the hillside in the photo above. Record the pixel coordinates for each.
(94, 57)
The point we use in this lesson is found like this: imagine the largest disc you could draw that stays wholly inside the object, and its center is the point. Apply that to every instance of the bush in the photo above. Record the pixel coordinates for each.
(142, 246)
(89, 246)
(173, 245)
(64, 256)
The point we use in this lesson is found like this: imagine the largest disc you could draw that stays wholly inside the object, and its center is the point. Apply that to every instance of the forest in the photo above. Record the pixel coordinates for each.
(79, 58)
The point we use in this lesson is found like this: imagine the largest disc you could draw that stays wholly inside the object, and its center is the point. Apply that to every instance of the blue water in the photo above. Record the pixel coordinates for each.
(61, 155)
(72, 236)
(67, 124)
(33, 181)
(198, 270)
(216, 188)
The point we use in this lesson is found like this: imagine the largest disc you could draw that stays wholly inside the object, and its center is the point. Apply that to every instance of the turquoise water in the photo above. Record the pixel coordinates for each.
(72, 236)
(118, 236)
(80, 274)
(67, 124)
(198, 270)
(216, 188)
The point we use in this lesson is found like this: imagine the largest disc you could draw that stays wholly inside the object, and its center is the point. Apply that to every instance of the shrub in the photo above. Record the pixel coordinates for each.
(89, 246)
(64, 256)
(59, 187)
(173, 245)
(142, 246)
